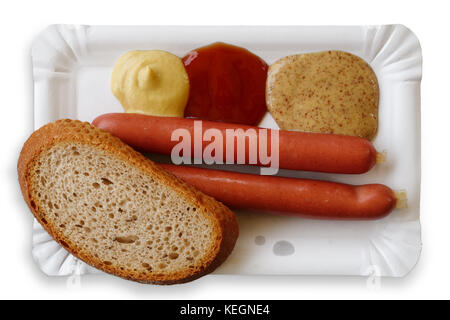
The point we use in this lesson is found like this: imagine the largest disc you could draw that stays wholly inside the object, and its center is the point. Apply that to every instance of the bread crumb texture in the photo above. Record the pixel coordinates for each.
(116, 210)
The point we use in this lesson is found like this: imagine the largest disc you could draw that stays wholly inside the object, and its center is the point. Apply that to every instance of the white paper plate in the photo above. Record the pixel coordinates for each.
(72, 67)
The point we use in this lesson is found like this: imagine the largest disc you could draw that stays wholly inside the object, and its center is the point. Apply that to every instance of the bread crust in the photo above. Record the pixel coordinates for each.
(224, 221)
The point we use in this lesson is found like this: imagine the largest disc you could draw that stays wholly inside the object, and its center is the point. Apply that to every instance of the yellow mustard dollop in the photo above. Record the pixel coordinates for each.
(151, 82)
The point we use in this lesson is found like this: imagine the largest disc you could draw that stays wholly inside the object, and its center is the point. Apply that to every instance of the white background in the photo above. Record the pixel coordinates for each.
(21, 21)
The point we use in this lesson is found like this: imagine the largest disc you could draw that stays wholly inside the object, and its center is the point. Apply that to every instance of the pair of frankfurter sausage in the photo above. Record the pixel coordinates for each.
(297, 151)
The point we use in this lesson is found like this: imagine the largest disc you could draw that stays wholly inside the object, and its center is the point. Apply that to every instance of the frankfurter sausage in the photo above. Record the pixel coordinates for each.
(299, 197)
(297, 150)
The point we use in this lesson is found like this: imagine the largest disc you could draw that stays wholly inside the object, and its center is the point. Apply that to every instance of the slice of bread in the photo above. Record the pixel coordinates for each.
(119, 212)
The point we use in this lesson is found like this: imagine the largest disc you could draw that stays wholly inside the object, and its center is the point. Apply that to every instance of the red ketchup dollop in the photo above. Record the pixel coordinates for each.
(227, 83)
